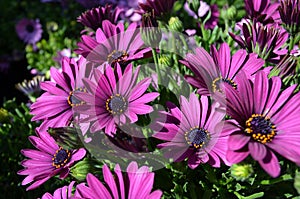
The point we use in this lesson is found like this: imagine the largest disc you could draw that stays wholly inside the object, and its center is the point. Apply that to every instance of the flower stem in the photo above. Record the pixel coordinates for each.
(157, 68)
(292, 44)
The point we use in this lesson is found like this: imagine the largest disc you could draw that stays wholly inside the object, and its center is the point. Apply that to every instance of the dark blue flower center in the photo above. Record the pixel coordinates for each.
(116, 104)
(61, 157)
(216, 83)
(197, 137)
(117, 56)
(72, 100)
(260, 128)
(29, 28)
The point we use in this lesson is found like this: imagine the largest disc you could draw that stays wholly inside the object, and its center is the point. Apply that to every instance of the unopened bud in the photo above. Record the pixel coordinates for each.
(175, 24)
(81, 169)
(164, 60)
(241, 172)
(4, 115)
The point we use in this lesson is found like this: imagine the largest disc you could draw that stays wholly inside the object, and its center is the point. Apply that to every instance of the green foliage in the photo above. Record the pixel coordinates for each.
(14, 131)
(42, 59)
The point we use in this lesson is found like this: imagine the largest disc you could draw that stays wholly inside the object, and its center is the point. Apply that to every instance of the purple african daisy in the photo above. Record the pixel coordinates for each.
(265, 40)
(129, 7)
(49, 160)
(64, 192)
(194, 132)
(113, 44)
(290, 14)
(113, 97)
(93, 18)
(265, 119)
(136, 183)
(212, 22)
(262, 10)
(29, 30)
(54, 107)
(203, 11)
(221, 67)
(158, 7)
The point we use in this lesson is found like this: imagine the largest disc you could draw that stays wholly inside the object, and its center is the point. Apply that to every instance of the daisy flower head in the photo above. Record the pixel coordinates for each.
(47, 160)
(290, 15)
(193, 132)
(54, 107)
(94, 17)
(159, 7)
(202, 13)
(210, 72)
(114, 97)
(265, 40)
(265, 121)
(135, 183)
(264, 11)
(29, 30)
(113, 44)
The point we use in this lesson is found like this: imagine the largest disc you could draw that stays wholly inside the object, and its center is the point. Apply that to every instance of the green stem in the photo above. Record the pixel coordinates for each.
(292, 44)
(183, 40)
(156, 66)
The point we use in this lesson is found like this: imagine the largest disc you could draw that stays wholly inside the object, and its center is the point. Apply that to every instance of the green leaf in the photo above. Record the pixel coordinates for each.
(253, 196)
(297, 182)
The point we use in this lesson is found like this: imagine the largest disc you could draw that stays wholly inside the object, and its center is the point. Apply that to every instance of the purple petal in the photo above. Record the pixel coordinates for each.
(236, 156)
(78, 154)
(237, 141)
(118, 171)
(98, 188)
(110, 181)
(270, 164)
(257, 150)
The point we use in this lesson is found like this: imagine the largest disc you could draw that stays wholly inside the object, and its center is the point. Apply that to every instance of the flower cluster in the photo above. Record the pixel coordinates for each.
(219, 103)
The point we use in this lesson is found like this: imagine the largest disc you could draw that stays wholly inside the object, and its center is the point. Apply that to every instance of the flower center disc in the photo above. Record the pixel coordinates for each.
(30, 28)
(61, 157)
(216, 84)
(117, 56)
(116, 104)
(196, 137)
(260, 128)
(72, 100)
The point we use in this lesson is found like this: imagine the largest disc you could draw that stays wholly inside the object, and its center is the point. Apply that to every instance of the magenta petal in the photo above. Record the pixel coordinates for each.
(270, 164)
(78, 154)
(257, 150)
(97, 187)
(110, 181)
(37, 183)
(139, 89)
(140, 109)
(118, 172)
(193, 161)
(155, 195)
(236, 156)
(64, 173)
(148, 97)
(35, 154)
(237, 141)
